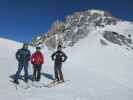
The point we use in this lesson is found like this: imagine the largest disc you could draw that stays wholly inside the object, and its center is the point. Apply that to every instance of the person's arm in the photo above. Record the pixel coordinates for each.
(32, 58)
(65, 57)
(18, 55)
(29, 55)
(53, 56)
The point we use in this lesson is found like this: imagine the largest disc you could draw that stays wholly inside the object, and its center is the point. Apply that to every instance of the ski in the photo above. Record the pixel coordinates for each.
(52, 84)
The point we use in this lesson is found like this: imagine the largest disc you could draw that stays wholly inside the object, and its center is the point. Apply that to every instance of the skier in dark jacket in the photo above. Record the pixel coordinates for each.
(23, 57)
(59, 56)
(37, 60)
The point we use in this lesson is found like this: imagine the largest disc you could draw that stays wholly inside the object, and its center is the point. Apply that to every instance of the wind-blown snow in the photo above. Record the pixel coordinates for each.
(96, 72)
(96, 11)
(122, 27)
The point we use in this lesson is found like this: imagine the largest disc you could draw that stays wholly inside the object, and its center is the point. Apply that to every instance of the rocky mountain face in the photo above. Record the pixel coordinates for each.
(77, 26)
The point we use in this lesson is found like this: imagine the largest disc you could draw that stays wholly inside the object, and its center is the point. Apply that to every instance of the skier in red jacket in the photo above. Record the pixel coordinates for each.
(37, 60)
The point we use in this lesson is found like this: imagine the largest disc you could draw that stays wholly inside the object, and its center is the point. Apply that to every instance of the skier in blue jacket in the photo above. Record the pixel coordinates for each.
(23, 57)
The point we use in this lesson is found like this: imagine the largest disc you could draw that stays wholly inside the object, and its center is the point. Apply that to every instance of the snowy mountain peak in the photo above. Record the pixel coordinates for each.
(79, 25)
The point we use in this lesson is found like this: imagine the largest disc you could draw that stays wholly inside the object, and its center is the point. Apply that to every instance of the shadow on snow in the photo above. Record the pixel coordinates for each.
(21, 77)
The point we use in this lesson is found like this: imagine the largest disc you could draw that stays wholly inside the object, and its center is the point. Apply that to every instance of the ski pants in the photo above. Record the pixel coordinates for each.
(20, 67)
(37, 72)
(58, 72)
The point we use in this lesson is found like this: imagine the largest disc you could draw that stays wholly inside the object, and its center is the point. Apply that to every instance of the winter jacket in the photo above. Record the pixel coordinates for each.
(23, 55)
(59, 57)
(37, 58)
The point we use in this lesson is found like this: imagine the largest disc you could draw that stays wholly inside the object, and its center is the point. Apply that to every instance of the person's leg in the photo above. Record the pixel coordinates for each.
(39, 72)
(56, 72)
(20, 67)
(34, 72)
(61, 74)
(26, 72)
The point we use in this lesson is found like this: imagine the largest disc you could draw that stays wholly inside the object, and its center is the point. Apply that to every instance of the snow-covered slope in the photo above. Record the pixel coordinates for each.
(7, 47)
(95, 71)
